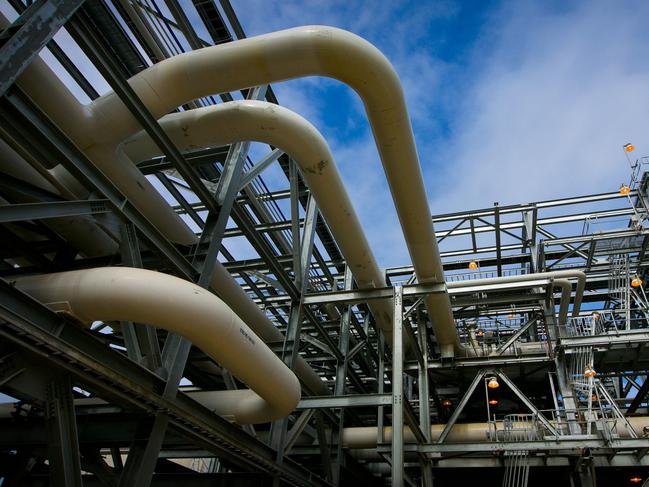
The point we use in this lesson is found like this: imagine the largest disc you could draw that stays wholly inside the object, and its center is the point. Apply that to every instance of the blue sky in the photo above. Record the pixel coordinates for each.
(510, 101)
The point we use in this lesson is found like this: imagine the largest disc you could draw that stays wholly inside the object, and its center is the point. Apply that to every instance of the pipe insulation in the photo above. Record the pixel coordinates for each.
(283, 55)
(46, 89)
(277, 126)
(366, 437)
(176, 305)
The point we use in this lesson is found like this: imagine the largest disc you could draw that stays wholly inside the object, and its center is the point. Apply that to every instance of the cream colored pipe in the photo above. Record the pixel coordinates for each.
(121, 293)
(293, 53)
(366, 437)
(77, 121)
(258, 121)
(556, 275)
(54, 98)
(564, 284)
(304, 51)
(231, 292)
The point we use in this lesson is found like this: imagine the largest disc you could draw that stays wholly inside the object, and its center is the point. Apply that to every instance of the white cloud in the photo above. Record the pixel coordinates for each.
(540, 109)
(554, 97)
(401, 36)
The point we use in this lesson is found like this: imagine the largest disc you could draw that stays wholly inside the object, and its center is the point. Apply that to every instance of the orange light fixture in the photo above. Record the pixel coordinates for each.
(589, 373)
(493, 383)
(629, 147)
(480, 332)
(593, 397)
(636, 282)
(635, 480)
(473, 265)
(447, 403)
(624, 190)
(596, 316)
(493, 402)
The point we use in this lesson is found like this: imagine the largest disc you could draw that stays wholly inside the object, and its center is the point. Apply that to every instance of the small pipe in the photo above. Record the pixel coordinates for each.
(176, 305)
(566, 274)
(566, 291)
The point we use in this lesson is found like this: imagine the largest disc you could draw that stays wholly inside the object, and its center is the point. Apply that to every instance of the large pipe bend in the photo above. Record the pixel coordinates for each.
(55, 99)
(293, 53)
(122, 293)
(258, 121)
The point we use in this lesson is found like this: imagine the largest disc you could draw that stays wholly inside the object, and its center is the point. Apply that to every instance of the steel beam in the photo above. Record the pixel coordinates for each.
(29, 35)
(525, 400)
(260, 166)
(460, 407)
(519, 333)
(363, 295)
(52, 209)
(639, 398)
(63, 442)
(109, 69)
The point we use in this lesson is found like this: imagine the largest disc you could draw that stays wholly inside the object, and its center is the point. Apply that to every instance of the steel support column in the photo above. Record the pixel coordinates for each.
(397, 390)
(341, 377)
(424, 401)
(62, 439)
(302, 252)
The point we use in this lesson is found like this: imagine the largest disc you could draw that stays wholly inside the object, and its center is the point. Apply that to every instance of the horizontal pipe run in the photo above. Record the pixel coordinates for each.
(567, 274)
(366, 437)
(170, 303)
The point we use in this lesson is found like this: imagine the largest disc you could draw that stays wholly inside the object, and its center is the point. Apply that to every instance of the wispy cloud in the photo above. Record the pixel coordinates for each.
(555, 93)
(338, 112)
(526, 101)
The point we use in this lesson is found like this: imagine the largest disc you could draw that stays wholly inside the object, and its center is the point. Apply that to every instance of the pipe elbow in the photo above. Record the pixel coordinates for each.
(170, 303)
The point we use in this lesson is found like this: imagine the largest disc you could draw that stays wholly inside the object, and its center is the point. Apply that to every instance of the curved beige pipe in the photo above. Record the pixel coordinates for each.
(293, 53)
(121, 293)
(366, 437)
(564, 302)
(283, 55)
(55, 99)
(264, 122)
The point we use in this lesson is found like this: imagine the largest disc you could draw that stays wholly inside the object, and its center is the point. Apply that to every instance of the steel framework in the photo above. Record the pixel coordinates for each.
(115, 404)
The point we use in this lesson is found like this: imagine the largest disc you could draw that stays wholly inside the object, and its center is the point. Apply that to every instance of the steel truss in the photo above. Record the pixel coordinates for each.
(130, 374)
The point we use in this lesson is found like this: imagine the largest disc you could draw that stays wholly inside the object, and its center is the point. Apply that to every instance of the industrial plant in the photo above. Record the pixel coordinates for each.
(138, 349)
